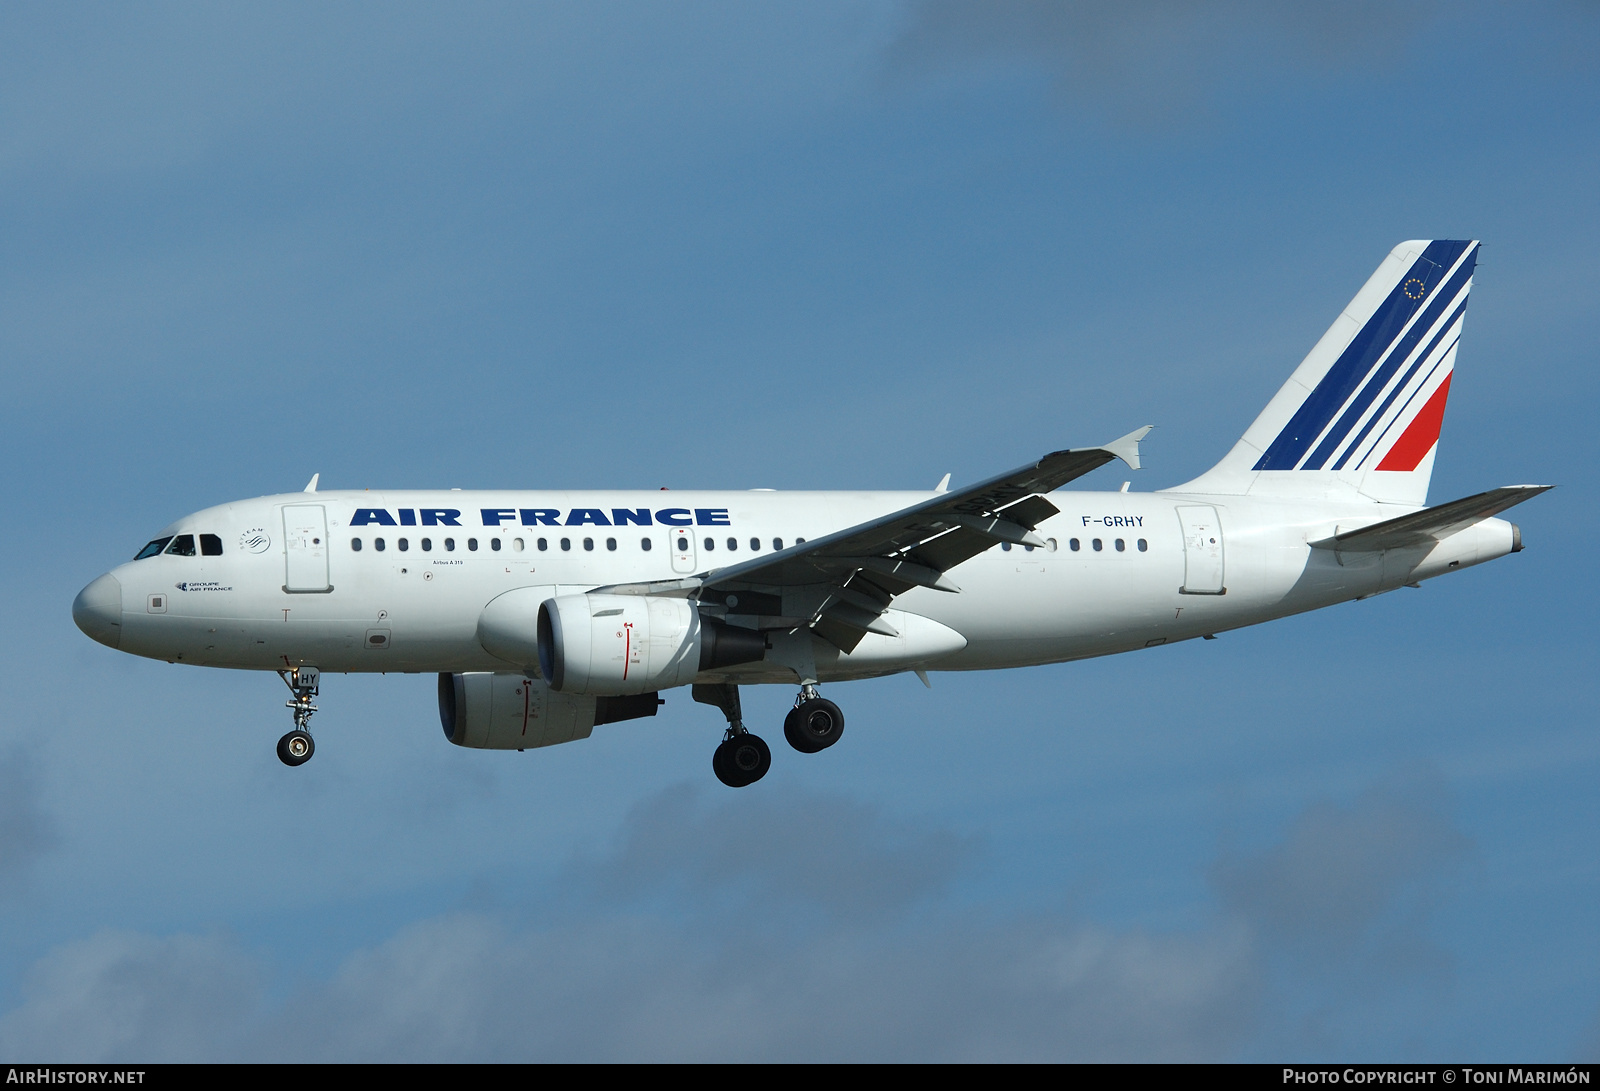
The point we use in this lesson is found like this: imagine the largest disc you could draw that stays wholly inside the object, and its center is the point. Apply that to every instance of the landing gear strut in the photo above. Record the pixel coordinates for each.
(742, 758)
(815, 723)
(296, 747)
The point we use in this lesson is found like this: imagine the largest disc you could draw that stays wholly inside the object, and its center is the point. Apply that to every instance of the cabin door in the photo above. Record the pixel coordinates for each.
(305, 549)
(1202, 551)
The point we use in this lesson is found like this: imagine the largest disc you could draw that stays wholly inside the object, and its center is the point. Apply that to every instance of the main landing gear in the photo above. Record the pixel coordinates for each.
(296, 747)
(814, 724)
(742, 758)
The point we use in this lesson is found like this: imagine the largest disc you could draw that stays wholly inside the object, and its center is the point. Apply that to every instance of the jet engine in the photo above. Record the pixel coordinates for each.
(509, 711)
(621, 644)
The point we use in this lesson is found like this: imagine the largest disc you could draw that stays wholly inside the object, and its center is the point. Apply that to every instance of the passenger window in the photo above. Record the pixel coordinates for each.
(1073, 544)
(516, 545)
(472, 545)
(449, 545)
(711, 544)
(644, 544)
(1006, 546)
(182, 546)
(588, 545)
(152, 549)
(799, 541)
(755, 545)
(611, 544)
(683, 544)
(1121, 545)
(543, 544)
(566, 544)
(1097, 545)
(1050, 544)
(377, 543)
(210, 545)
(1027, 549)
(355, 545)
(733, 545)
(1143, 545)
(494, 544)
(777, 544)
(427, 545)
(403, 544)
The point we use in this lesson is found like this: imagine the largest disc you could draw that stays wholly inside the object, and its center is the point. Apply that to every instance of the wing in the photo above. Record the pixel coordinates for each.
(841, 584)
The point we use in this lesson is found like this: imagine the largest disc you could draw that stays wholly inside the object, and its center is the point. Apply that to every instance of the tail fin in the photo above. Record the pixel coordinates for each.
(1360, 416)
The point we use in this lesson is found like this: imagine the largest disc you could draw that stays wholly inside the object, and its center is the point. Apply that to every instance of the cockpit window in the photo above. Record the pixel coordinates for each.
(210, 545)
(182, 546)
(153, 548)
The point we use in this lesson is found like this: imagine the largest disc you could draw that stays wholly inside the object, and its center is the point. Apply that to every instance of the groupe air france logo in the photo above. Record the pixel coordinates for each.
(1414, 288)
(255, 541)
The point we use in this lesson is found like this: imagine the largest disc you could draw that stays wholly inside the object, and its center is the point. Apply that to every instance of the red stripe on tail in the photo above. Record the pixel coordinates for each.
(1423, 432)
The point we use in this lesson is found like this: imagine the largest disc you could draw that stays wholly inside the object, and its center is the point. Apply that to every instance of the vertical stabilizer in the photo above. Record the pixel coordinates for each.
(1360, 416)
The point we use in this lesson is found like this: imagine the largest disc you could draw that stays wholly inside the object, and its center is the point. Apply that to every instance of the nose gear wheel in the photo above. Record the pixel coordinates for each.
(296, 747)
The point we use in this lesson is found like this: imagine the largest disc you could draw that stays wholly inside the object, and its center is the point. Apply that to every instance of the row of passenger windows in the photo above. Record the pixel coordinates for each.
(518, 545)
(645, 544)
(1098, 546)
(182, 545)
(1075, 545)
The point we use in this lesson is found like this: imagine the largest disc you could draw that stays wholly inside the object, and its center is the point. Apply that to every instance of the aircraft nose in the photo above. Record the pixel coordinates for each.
(98, 610)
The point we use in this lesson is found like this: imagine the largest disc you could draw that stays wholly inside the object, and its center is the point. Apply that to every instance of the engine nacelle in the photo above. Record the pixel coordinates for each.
(620, 644)
(510, 711)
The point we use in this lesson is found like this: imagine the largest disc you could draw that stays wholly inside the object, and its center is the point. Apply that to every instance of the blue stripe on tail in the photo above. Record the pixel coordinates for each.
(1365, 350)
(1404, 384)
(1391, 364)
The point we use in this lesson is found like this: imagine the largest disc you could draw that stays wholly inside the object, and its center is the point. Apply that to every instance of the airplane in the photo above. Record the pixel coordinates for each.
(546, 614)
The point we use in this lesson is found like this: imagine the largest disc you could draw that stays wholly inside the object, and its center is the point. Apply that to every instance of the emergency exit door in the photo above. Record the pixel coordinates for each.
(680, 540)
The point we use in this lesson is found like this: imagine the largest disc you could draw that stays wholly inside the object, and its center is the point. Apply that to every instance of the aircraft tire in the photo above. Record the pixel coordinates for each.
(791, 731)
(296, 748)
(741, 760)
(813, 725)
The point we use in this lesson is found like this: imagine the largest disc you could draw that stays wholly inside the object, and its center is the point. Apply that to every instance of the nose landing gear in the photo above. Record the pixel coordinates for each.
(296, 747)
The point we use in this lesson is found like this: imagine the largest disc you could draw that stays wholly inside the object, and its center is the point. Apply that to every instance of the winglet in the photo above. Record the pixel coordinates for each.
(1127, 448)
(944, 484)
(311, 486)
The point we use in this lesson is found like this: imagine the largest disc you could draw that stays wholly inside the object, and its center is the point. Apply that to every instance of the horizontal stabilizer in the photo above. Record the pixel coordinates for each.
(1431, 524)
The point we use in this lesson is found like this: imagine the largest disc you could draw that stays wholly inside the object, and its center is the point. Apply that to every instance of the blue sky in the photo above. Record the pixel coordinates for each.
(813, 246)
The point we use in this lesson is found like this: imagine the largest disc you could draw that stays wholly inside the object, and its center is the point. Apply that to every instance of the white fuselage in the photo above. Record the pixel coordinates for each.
(288, 590)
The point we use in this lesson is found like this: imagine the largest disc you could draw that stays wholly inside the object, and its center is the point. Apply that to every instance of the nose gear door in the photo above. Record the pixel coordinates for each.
(305, 549)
